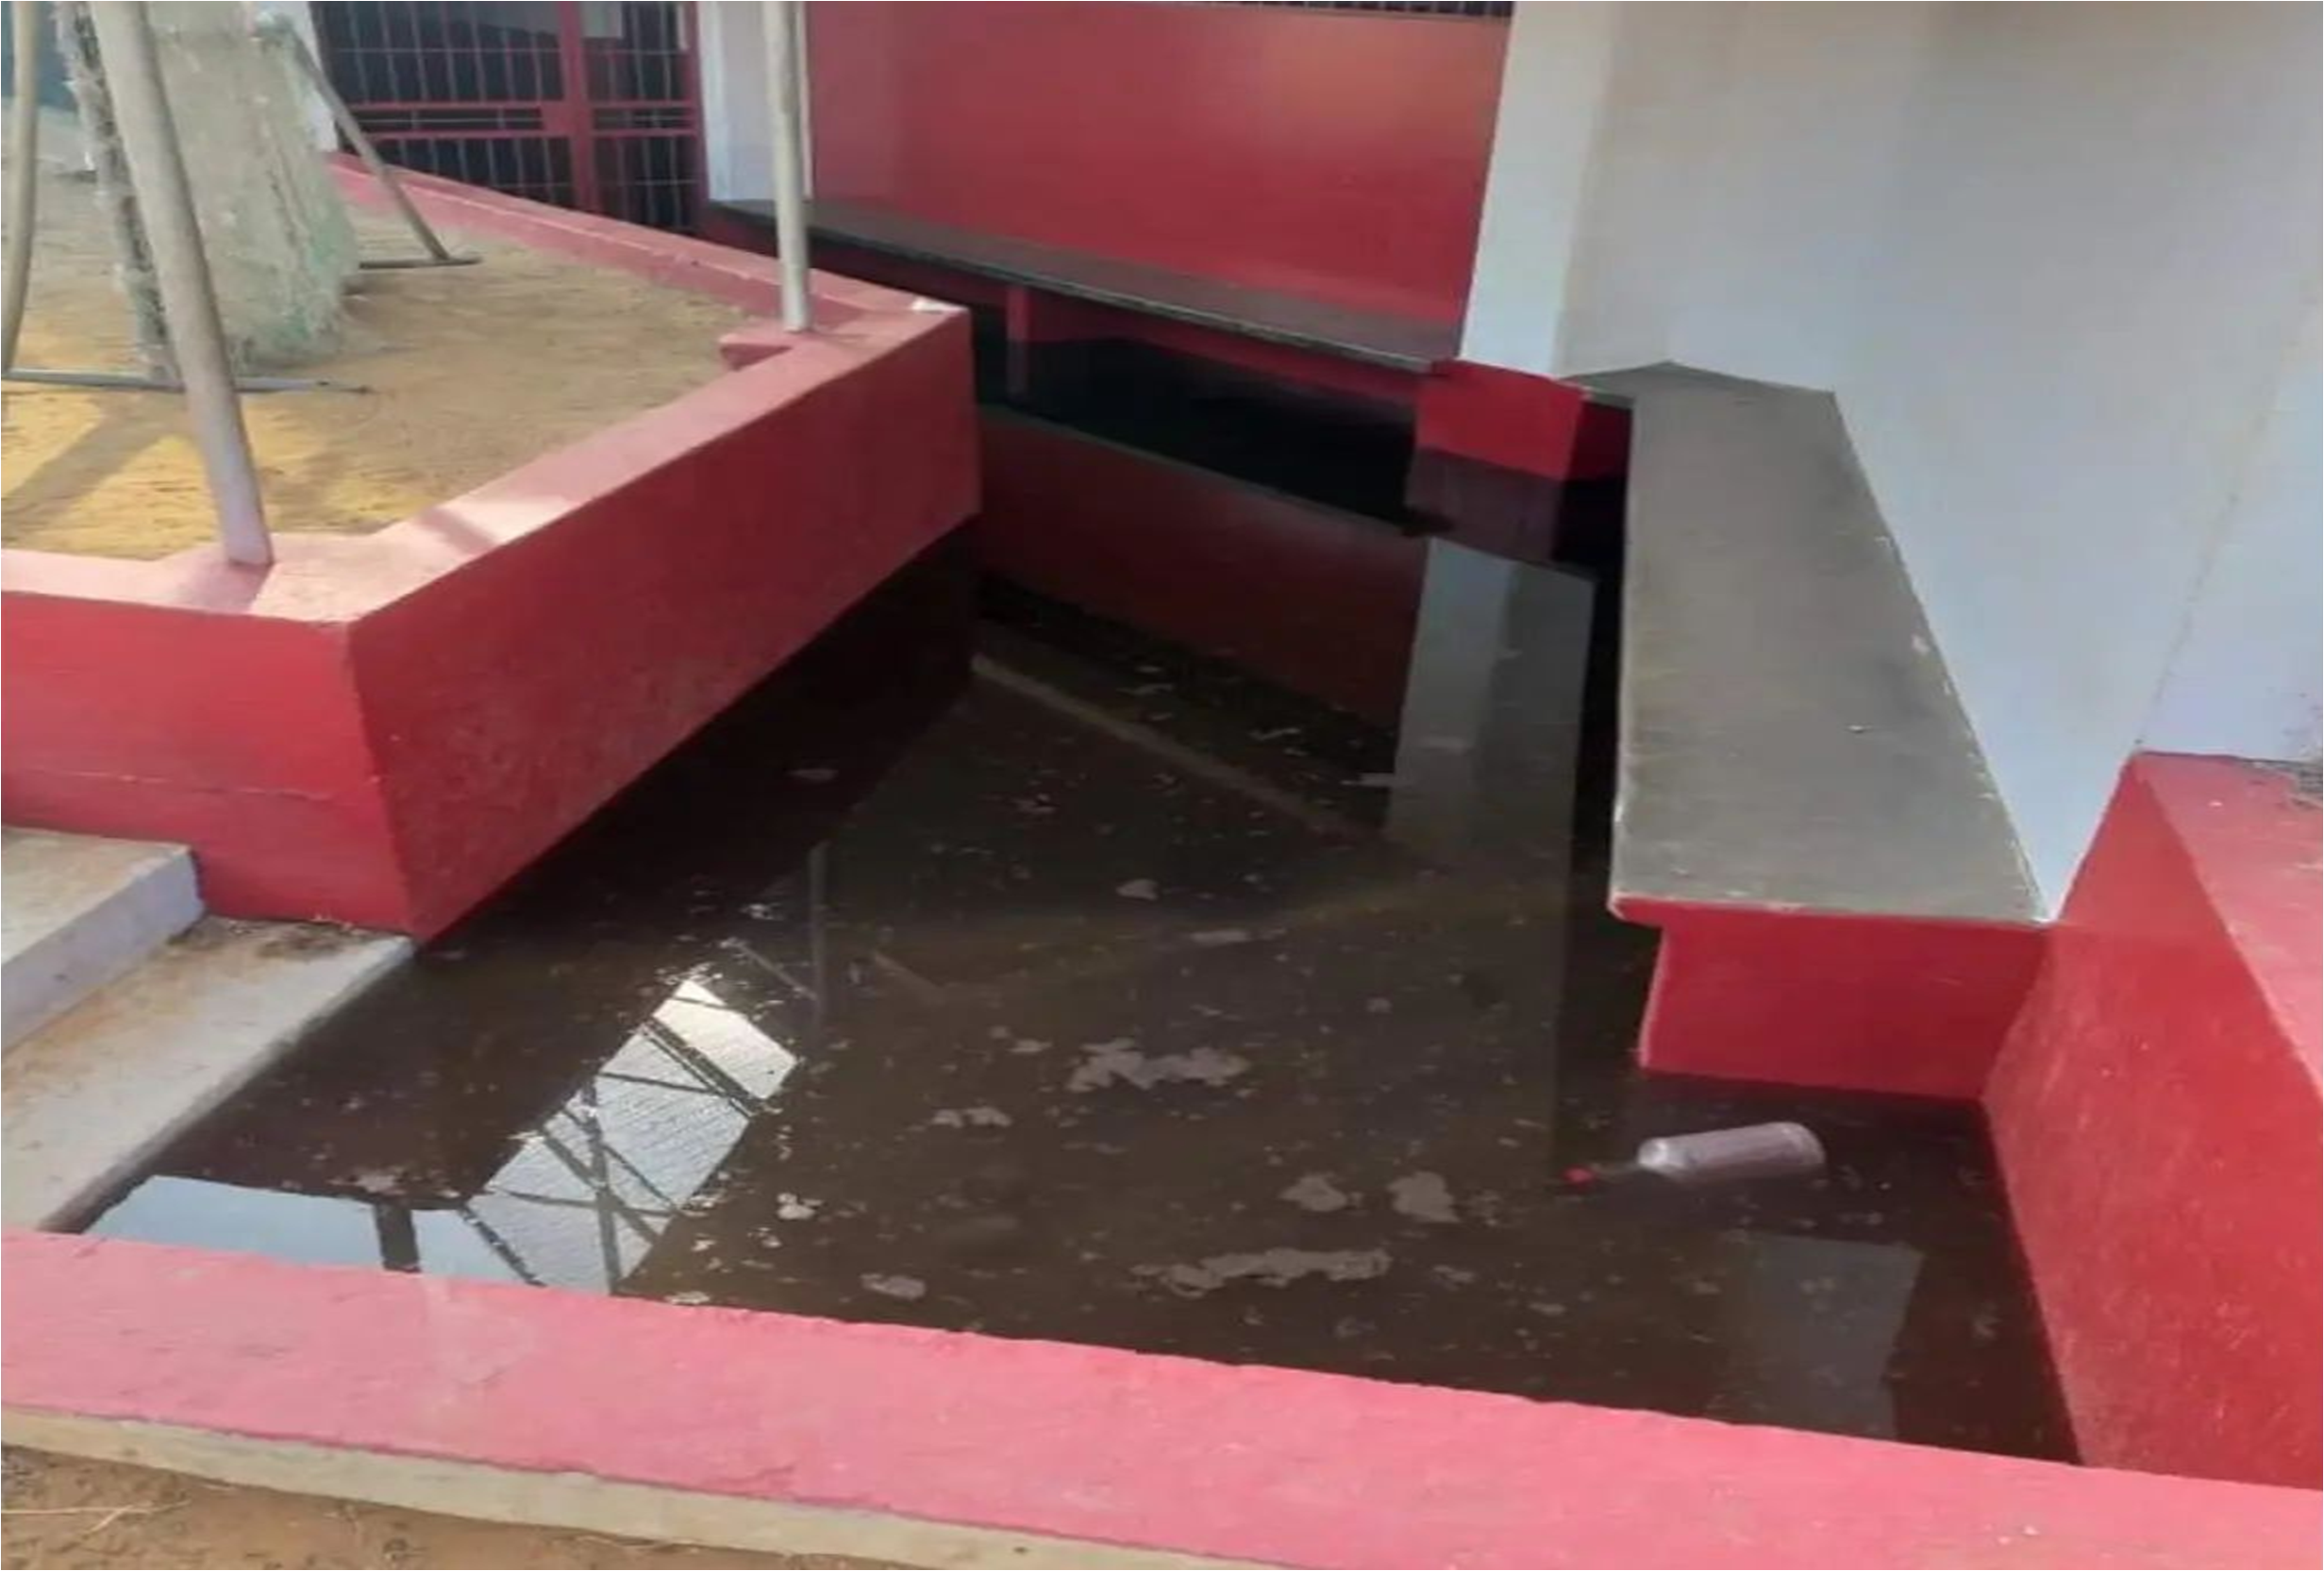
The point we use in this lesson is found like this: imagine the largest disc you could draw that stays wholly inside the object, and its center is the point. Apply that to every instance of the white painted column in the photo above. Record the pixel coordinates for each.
(1554, 82)
(730, 48)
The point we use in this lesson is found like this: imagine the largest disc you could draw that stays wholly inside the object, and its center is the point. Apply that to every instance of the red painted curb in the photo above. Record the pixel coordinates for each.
(1241, 1464)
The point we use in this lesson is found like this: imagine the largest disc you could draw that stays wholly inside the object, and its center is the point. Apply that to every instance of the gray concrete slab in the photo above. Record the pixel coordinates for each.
(1378, 338)
(105, 1085)
(76, 912)
(1789, 734)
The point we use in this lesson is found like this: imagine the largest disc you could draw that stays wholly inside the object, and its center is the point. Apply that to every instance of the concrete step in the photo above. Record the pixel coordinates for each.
(100, 1089)
(79, 912)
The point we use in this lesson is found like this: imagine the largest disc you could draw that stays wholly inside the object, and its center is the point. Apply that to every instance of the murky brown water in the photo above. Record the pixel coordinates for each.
(1082, 998)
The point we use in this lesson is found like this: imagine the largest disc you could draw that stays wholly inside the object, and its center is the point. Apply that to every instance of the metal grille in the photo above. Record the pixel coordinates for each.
(537, 167)
(652, 179)
(590, 105)
(1475, 10)
(441, 52)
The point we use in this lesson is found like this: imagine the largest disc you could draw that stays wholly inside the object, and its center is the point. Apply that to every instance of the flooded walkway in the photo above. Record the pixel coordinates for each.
(1078, 992)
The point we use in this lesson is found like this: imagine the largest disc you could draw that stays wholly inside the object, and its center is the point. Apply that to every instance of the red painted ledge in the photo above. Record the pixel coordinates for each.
(381, 729)
(1247, 1464)
(1848, 1001)
(2156, 1112)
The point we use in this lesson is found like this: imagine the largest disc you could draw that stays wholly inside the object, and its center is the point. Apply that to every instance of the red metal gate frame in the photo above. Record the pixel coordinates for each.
(574, 116)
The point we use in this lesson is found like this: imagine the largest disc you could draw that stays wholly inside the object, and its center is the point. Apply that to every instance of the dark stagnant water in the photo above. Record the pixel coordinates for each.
(1082, 996)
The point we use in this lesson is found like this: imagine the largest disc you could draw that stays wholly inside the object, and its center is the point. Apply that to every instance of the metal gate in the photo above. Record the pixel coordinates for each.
(594, 107)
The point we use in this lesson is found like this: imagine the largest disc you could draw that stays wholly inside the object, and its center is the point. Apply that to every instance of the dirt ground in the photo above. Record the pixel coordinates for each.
(469, 372)
(62, 1511)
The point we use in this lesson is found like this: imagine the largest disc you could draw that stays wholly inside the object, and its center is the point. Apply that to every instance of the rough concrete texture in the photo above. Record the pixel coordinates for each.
(78, 912)
(100, 1088)
(65, 1513)
(1789, 736)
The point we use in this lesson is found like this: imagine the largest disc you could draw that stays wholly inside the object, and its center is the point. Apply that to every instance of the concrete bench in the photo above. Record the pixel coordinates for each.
(1802, 807)
(1373, 338)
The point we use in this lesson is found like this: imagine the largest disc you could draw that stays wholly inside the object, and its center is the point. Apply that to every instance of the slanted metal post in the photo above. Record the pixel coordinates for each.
(278, 31)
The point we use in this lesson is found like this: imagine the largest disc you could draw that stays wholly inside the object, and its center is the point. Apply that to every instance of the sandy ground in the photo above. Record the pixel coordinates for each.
(62, 1511)
(471, 371)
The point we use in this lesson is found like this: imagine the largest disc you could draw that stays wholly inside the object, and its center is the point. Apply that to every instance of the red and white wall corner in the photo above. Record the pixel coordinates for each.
(2081, 374)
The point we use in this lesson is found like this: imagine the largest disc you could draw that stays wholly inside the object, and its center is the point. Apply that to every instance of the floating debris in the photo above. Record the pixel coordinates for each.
(906, 1288)
(1316, 1191)
(687, 1300)
(1277, 1268)
(1713, 1156)
(1218, 938)
(1119, 1060)
(1139, 889)
(964, 1118)
(1029, 1044)
(1423, 1197)
(796, 1208)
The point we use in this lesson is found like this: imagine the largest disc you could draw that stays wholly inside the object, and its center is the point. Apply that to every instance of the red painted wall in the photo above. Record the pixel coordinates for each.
(508, 700)
(1318, 601)
(1337, 156)
(204, 728)
(2156, 1112)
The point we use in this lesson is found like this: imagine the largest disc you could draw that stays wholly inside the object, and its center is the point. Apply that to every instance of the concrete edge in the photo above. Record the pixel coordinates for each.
(2249, 829)
(1847, 778)
(60, 1159)
(149, 900)
(568, 1501)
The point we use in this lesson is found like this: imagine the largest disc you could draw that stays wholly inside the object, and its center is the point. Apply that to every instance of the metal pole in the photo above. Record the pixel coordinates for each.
(188, 304)
(24, 170)
(279, 31)
(141, 382)
(785, 54)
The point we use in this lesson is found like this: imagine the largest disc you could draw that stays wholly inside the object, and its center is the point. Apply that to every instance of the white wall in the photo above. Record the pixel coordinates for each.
(2098, 254)
(736, 125)
(737, 118)
(1635, 248)
(1799, 146)
(1552, 93)
(1687, 182)
(2243, 680)
(2056, 261)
